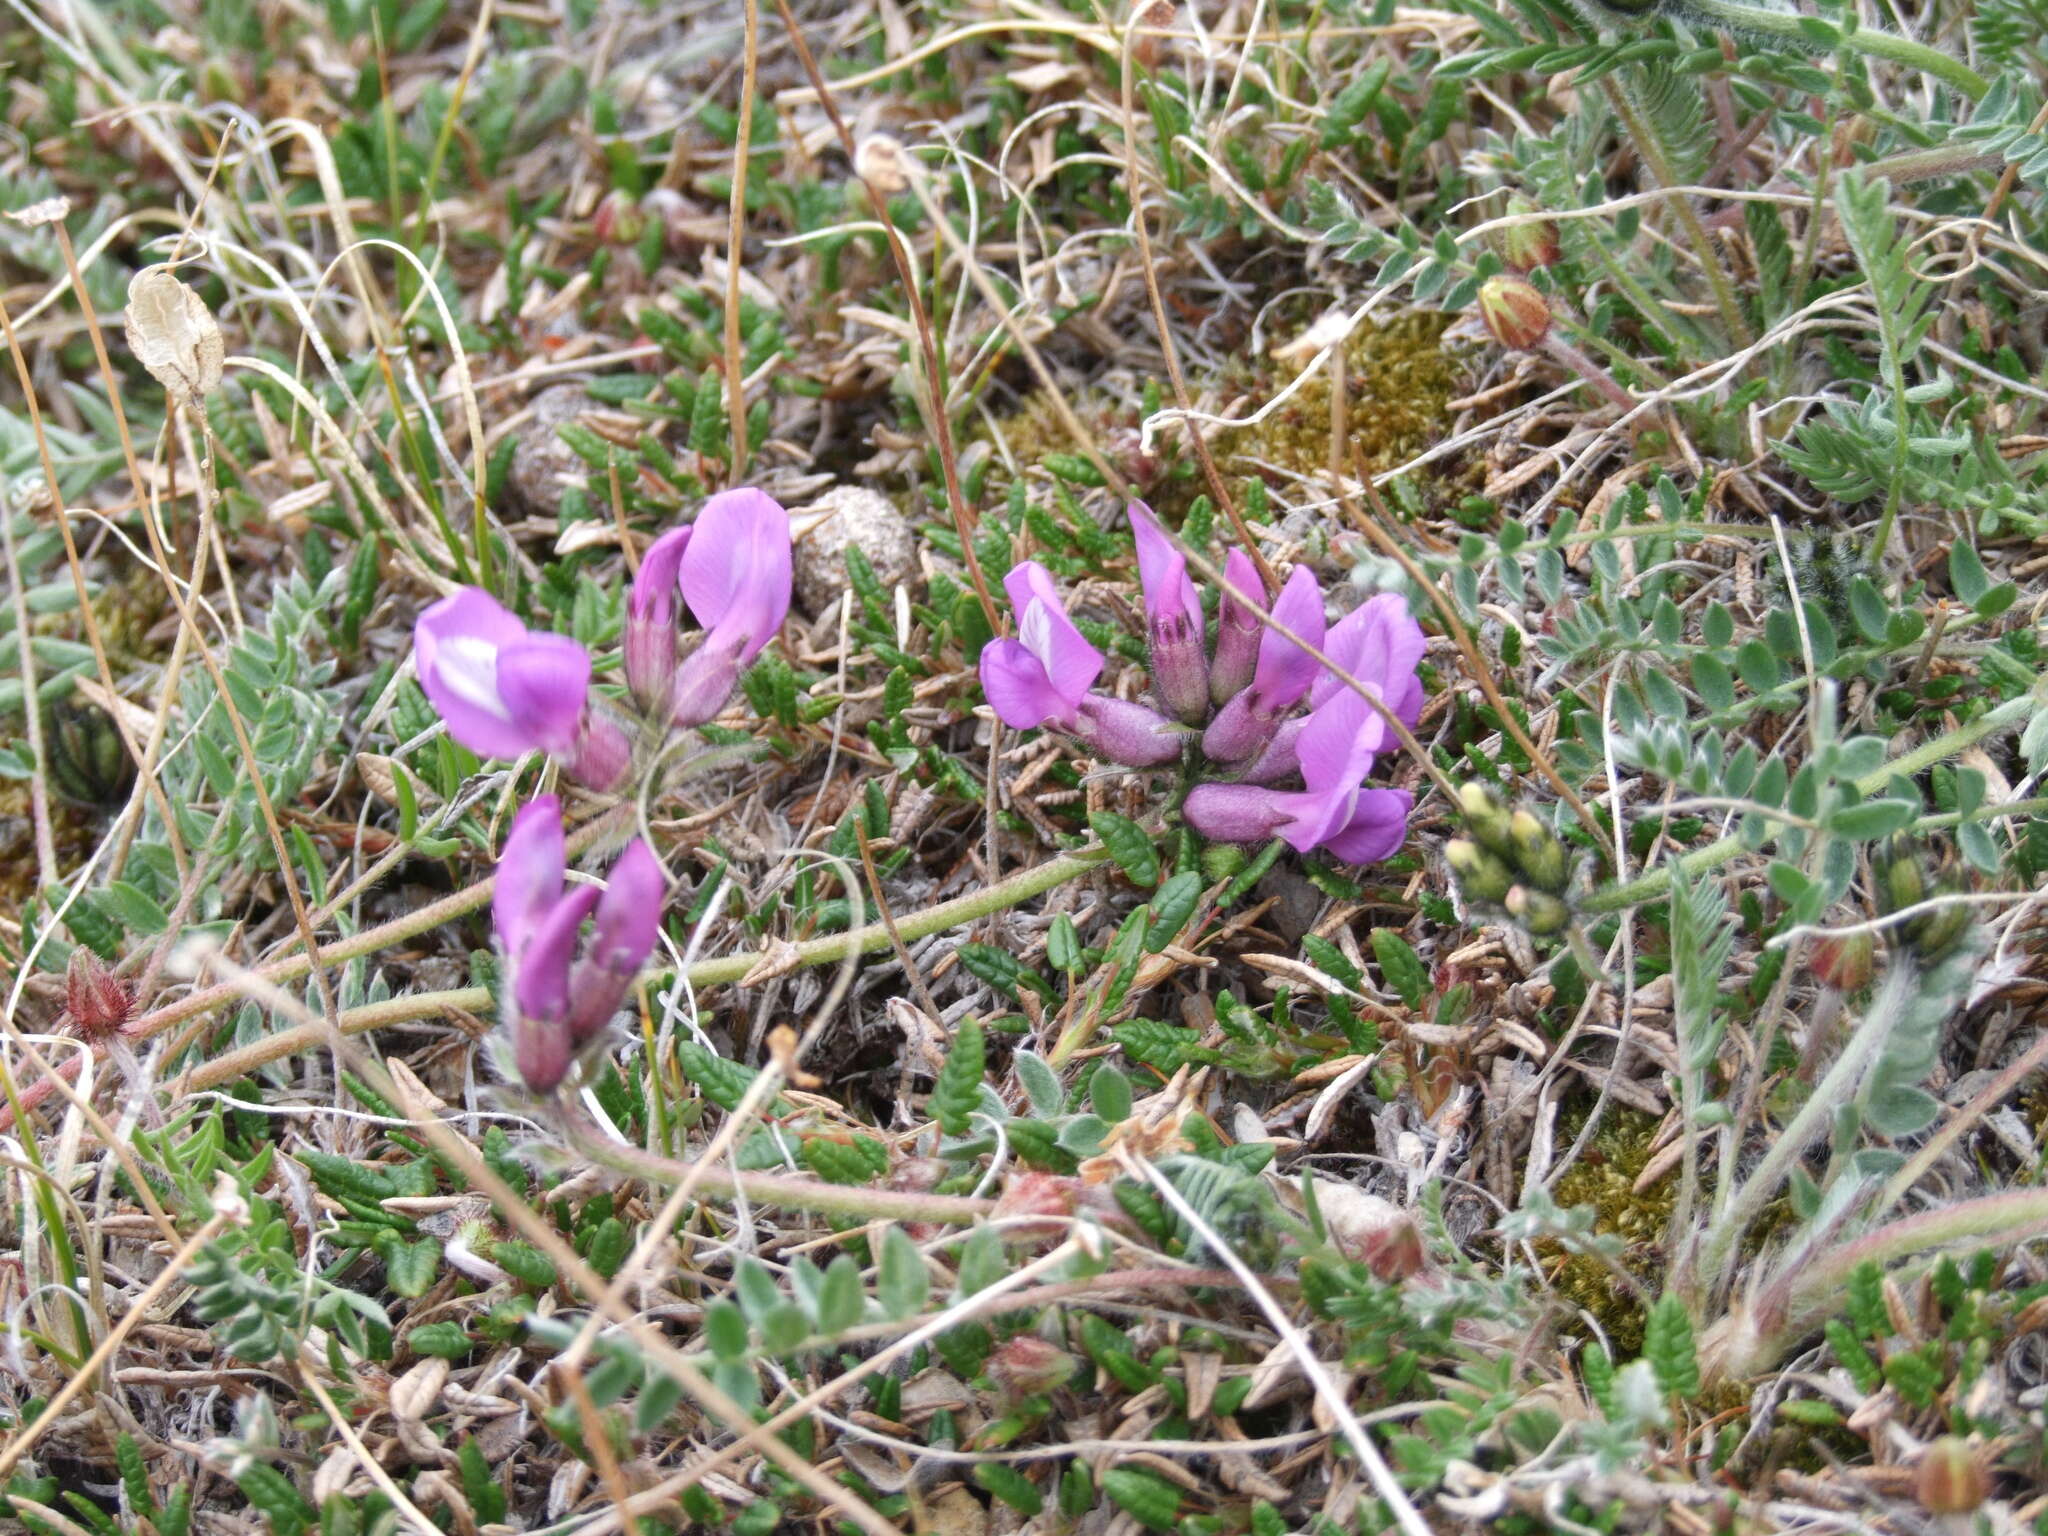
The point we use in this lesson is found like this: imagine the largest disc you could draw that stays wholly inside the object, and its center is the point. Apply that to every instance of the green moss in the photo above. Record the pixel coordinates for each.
(1604, 1178)
(1399, 382)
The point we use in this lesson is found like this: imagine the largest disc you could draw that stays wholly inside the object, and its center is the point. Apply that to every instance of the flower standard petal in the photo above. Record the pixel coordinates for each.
(735, 575)
(1285, 670)
(1237, 629)
(1173, 619)
(650, 643)
(1043, 627)
(541, 1044)
(529, 875)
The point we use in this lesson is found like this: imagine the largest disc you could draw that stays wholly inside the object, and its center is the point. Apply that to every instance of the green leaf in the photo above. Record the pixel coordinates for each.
(409, 1268)
(1668, 1346)
(1171, 909)
(449, 1340)
(1401, 966)
(902, 1284)
(1146, 1497)
(842, 1300)
(1128, 844)
(725, 1331)
(957, 1091)
(1966, 572)
(1871, 820)
(1011, 1486)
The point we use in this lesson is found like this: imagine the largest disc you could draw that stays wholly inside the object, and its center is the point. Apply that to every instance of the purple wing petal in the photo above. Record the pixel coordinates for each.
(540, 977)
(628, 919)
(1162, 571)
(735, 575)
(544, 681)
(1285, 670)
(1030, 582)
(650, 641)
(529, 877)
(1018, 690)
(1376, 828)
(1338, 743)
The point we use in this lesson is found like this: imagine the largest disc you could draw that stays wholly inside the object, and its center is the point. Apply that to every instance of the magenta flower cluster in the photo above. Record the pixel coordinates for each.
(1251, 715)
(560, 992)
(506, 690)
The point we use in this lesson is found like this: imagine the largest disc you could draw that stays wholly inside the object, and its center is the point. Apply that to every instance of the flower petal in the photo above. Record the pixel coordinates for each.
(1237, 629)
(1070, 663)
(456, 646)
(1376, 829)
(735, 574)
(1017, 687)
(1173, 620)
(529, 875)
(544, 681)
(1285, 670)
(540, 976)
(628, 920)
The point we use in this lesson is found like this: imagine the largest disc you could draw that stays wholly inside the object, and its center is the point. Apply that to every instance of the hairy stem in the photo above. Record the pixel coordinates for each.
(848, 1200)
(1018, 888)
(1868, 41)
(1653, 885)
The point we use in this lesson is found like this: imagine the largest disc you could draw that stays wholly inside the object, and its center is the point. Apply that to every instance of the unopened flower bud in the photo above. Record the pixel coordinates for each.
(879, 161)
(1487, 819)
(617, 220)
(1537, 911)
(1481, 875)
(1844, 961)
(1028, 1366)
(1516, 314)
(99, 1002)
(1952, 1479)
(1902, 883)
(1539, 854)
(1531, 243)
(1936, 933)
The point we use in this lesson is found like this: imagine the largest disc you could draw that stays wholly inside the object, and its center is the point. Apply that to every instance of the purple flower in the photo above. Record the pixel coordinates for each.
(733, 569)
(1248, 720)
(1377, 644)
(650, 644)
(1336, 749)
(558, 1002)
(1043, 677)
(1237, 629)
(504, 690)
(1173, 620)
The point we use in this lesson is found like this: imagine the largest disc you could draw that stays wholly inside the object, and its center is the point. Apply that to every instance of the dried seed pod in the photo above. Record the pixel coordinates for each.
(1952, 1479)
(1516, 314)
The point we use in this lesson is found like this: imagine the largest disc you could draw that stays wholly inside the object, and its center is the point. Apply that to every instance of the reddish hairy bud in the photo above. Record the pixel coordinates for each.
(1532, 244)
(1845, 961)
(1516, 314)
(100, 1003)
(1951, 1479)
(1028, 1366)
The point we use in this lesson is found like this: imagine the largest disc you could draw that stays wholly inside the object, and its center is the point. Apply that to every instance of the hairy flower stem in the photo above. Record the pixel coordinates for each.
(1018, 888)
(1653, 885)
(1644, 137)
(852, 1201)
(1815, 1116)
(1868, 41)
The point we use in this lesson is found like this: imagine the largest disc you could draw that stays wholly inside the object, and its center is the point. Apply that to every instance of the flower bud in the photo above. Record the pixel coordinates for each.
(1028, 1366)
(617, 220)
(100, 1003)
(1531, 243)
(1952, 1479)
(1537, 911)
(1487, 819)
(1539, 854)
(1481, 875)
(1902, 883)
(1516, 314)
(1844, 961)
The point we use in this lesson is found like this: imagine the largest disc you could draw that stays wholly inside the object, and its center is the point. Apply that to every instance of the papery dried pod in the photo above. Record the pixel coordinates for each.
(173, 334)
